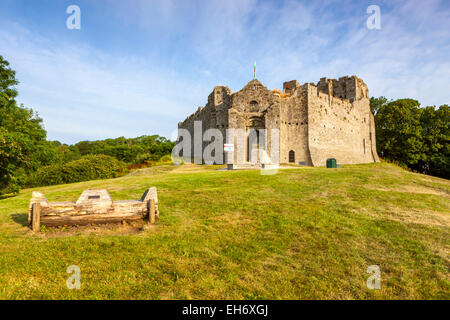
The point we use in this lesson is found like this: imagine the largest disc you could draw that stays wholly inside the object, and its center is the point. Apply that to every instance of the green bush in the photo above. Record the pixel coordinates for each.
(90, 167)
(146, 157)
(131, 150)
(166, 159)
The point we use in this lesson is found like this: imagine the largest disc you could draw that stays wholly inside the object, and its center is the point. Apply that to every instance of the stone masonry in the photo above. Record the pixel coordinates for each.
(330, 119)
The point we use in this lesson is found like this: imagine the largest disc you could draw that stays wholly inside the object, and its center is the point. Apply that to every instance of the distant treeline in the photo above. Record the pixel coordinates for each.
(28, 159)
(129, 150)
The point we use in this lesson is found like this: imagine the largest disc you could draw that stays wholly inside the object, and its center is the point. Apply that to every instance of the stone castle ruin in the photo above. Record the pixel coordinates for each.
(310, 122)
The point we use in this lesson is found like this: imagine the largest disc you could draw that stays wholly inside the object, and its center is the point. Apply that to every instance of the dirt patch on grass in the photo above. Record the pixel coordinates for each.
(151, 171)
(424, 217)
(412, 189)
(124, 228)
(425, 190)
(189, 167)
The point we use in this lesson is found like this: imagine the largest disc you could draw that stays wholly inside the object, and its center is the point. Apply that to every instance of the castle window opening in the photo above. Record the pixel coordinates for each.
(292, 156)
(253, 106)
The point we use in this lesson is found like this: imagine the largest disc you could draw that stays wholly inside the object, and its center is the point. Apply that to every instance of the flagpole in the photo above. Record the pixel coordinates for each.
(254, 71)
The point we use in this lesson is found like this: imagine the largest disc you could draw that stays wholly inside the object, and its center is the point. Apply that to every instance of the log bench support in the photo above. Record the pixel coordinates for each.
(151, 211)
(36, 217)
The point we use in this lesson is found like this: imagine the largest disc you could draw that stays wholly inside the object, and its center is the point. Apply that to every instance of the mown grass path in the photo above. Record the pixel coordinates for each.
(303, 233)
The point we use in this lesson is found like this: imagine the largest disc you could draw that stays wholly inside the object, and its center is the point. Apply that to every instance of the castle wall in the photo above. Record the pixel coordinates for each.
(294, 126)
(330, 120)
(372, 140)
(237, 137)
(338, 128)
(253, 108)
(213, 115)
(272, 124)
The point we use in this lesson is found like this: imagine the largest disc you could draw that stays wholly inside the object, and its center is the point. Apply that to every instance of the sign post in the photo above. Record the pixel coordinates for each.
(228, 148)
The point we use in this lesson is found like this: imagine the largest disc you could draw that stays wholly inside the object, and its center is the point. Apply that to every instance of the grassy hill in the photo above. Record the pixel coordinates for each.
(303, 233)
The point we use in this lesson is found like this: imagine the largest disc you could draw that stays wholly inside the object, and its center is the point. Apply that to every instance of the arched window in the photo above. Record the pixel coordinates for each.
(292, 156)
(254, 106)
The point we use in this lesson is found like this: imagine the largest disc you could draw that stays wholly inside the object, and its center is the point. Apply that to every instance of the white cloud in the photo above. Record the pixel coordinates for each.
(89, 94)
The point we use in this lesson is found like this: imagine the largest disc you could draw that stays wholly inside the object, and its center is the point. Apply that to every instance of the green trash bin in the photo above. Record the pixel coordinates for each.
(331, 163)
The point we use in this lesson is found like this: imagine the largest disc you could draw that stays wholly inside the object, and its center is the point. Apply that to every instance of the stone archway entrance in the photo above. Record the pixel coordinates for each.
(255, 139)
(292, 156)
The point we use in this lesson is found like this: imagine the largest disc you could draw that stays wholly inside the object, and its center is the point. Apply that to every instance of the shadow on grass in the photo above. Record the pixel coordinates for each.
(20, 218)
(7, 196)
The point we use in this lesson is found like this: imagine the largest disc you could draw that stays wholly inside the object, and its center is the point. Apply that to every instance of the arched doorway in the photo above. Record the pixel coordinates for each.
(292, 156)
(255, 140)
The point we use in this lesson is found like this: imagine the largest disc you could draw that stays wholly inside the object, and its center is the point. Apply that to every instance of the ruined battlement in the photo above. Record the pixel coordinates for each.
(290, 86)
(350, 88)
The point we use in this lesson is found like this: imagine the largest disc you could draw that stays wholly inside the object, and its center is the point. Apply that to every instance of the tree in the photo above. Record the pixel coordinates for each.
(377, 103)
(399, 132)
(8, 81)
(436, 137)
(21, 135)
(413, 136)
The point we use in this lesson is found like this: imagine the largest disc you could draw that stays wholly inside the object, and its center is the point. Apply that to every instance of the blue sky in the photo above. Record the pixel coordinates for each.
(139, 67)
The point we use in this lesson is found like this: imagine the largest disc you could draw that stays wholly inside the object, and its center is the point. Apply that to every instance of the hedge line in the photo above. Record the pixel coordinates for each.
(90, 167)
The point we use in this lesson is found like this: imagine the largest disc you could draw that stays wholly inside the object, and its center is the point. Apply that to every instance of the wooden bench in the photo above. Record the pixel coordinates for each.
(92, 207)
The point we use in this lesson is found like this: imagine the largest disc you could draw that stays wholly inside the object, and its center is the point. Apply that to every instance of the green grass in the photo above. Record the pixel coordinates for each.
(307, 233)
